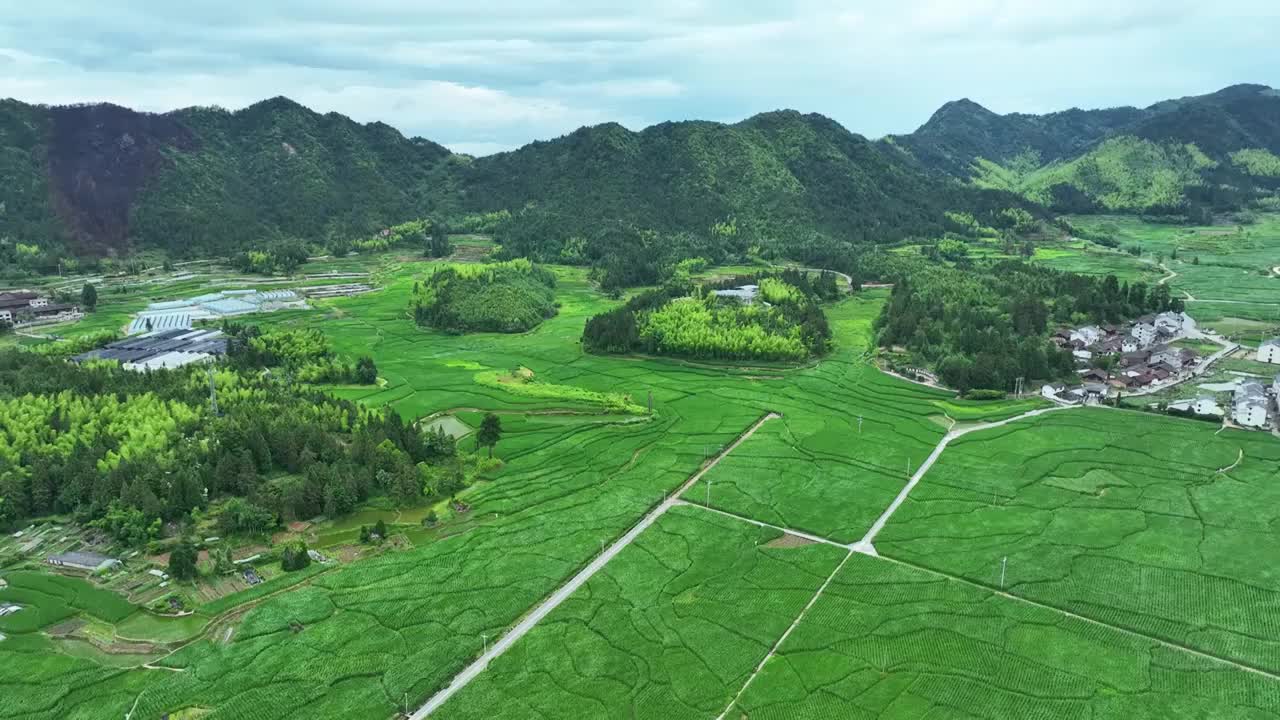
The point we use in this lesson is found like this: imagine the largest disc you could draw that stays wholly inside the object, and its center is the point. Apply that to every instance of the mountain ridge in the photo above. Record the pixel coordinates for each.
(100, 179)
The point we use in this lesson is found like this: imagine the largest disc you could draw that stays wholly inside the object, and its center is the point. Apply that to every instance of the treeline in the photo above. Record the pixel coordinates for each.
(785, 322)
(511, 296)
(986, 326)
(305, 354)
(127, 451)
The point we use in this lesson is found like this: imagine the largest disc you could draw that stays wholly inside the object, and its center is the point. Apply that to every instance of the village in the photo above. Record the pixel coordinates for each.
(1158, 352)
(25, 308)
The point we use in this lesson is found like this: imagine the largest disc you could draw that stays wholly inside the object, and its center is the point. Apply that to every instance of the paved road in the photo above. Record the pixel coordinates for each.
(865, 544)
(577, 581)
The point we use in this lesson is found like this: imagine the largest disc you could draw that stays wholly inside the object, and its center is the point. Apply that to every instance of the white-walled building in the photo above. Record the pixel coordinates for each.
(1144, 333)
(1249, 406)
(1269, 351)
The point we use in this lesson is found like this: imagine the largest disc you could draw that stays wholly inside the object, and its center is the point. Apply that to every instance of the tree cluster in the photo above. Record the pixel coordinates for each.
(511, 296)
(785, 322)
(986, 326)
(127, 451)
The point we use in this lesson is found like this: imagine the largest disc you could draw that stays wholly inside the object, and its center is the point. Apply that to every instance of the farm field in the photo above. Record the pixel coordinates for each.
(576, 473)
(670, 629)
(583, 460)
(891, 642)
(1153, 524)
(1227, 269)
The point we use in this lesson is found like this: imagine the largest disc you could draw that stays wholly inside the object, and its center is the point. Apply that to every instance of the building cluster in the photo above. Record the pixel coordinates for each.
(182, 314)
(1138, 356)
(24, 307)
(161, 349)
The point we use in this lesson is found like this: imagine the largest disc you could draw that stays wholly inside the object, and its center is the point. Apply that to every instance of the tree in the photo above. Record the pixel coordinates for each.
(182, 561)
(366, 371)
(439, 245)
(490, 432)
(380, 529)
(294, 556)
(89, 297)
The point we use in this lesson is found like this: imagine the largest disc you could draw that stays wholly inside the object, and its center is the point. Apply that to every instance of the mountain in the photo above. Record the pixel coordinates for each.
(105, 180)
(771, 172)
(1202, 153)
(102, 180)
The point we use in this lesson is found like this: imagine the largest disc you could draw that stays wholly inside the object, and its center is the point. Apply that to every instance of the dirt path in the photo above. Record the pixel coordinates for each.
(1233, 465)
(562, 593)
(1168, 277)
(865, 544)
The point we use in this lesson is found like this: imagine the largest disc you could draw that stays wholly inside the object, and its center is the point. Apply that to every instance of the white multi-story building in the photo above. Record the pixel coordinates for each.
(1269, 351)
(1249, 406)
(1144, 333)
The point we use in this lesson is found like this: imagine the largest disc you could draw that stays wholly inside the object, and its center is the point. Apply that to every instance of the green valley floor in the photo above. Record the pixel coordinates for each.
(1139, 582)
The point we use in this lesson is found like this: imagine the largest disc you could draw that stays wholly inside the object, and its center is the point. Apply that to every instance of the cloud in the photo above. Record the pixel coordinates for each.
(495, 74)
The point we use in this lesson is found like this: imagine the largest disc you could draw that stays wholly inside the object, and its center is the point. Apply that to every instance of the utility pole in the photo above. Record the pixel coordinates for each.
(859, 424)
(1004, 563)
(484, 640)
(708, 492)
(650, 402)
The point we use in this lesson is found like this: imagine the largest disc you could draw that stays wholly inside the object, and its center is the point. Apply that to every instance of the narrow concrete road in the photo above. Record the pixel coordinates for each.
(865, 544)
(773, 650)
(529, 621)
(743, 518)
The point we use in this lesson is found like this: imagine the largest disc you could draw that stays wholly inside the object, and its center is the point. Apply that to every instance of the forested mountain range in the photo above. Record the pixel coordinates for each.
(99, 180)
(1193, 155)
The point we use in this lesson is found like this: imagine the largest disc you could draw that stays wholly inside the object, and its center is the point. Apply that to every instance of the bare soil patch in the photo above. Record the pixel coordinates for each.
(788, 541)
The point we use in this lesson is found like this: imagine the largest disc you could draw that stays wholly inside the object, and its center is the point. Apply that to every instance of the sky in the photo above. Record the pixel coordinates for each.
(486, 76)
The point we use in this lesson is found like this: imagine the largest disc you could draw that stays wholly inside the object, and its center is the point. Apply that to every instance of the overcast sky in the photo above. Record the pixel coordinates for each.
(483, 76)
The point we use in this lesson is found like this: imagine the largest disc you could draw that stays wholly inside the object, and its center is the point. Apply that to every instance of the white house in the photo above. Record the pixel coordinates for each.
(1169, 323)
(1130, 344)
(1144, 333)
(1089, 334)
(1206, 405)
(1269, 351)
(1249, 406)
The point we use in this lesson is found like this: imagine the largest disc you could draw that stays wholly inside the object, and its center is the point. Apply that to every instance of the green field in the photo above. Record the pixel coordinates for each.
(1218, 262)
(670, 629)
(891, 642)
(1118, 516)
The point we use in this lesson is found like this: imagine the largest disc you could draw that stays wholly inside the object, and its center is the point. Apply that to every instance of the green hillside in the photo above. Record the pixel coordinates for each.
(775, 173)
(1122, 174)
(1192, 156)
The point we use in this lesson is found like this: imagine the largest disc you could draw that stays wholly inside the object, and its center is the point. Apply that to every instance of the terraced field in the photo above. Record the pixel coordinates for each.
(670, 629)
(891, 642)
(1152, 524)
